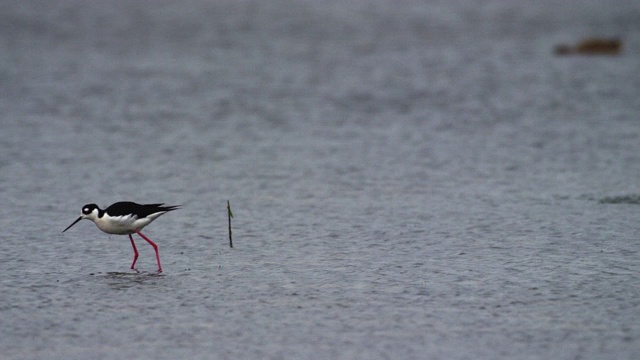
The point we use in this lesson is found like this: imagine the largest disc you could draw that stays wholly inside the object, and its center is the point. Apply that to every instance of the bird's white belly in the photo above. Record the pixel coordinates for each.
(121, 225)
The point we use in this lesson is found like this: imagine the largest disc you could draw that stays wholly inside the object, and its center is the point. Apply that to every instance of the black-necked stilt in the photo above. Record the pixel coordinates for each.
(125, 218)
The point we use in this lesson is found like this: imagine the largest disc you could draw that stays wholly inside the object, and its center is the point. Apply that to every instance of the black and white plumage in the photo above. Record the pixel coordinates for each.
(125, 218)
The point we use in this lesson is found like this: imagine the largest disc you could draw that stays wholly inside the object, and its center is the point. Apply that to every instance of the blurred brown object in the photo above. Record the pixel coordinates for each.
(591, 46)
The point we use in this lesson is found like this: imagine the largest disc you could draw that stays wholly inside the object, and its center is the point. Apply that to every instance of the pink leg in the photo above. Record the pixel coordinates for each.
(155, 247)
(135, 252)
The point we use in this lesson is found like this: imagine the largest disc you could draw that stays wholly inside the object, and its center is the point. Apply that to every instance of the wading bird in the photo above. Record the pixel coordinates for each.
(125, 218)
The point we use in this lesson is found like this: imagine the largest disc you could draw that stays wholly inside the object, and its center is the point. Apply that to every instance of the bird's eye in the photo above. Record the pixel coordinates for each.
(86, 210)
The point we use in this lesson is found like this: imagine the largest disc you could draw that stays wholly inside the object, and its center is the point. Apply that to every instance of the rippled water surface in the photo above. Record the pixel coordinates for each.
(409, 179)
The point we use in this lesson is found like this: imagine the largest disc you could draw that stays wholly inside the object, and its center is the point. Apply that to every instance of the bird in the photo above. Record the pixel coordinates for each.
(126, 218)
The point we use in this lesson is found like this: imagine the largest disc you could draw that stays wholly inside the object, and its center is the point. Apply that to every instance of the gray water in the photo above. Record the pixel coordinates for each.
(409, 179)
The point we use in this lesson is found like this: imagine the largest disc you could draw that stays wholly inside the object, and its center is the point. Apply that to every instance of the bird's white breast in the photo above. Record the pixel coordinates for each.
(123, 224)
(120, 225)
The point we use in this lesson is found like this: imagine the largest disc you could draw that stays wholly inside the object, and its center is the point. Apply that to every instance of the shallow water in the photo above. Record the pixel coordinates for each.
(409, 180)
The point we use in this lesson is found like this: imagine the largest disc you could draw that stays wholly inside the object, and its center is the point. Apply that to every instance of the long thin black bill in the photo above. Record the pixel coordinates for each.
(80, 218)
